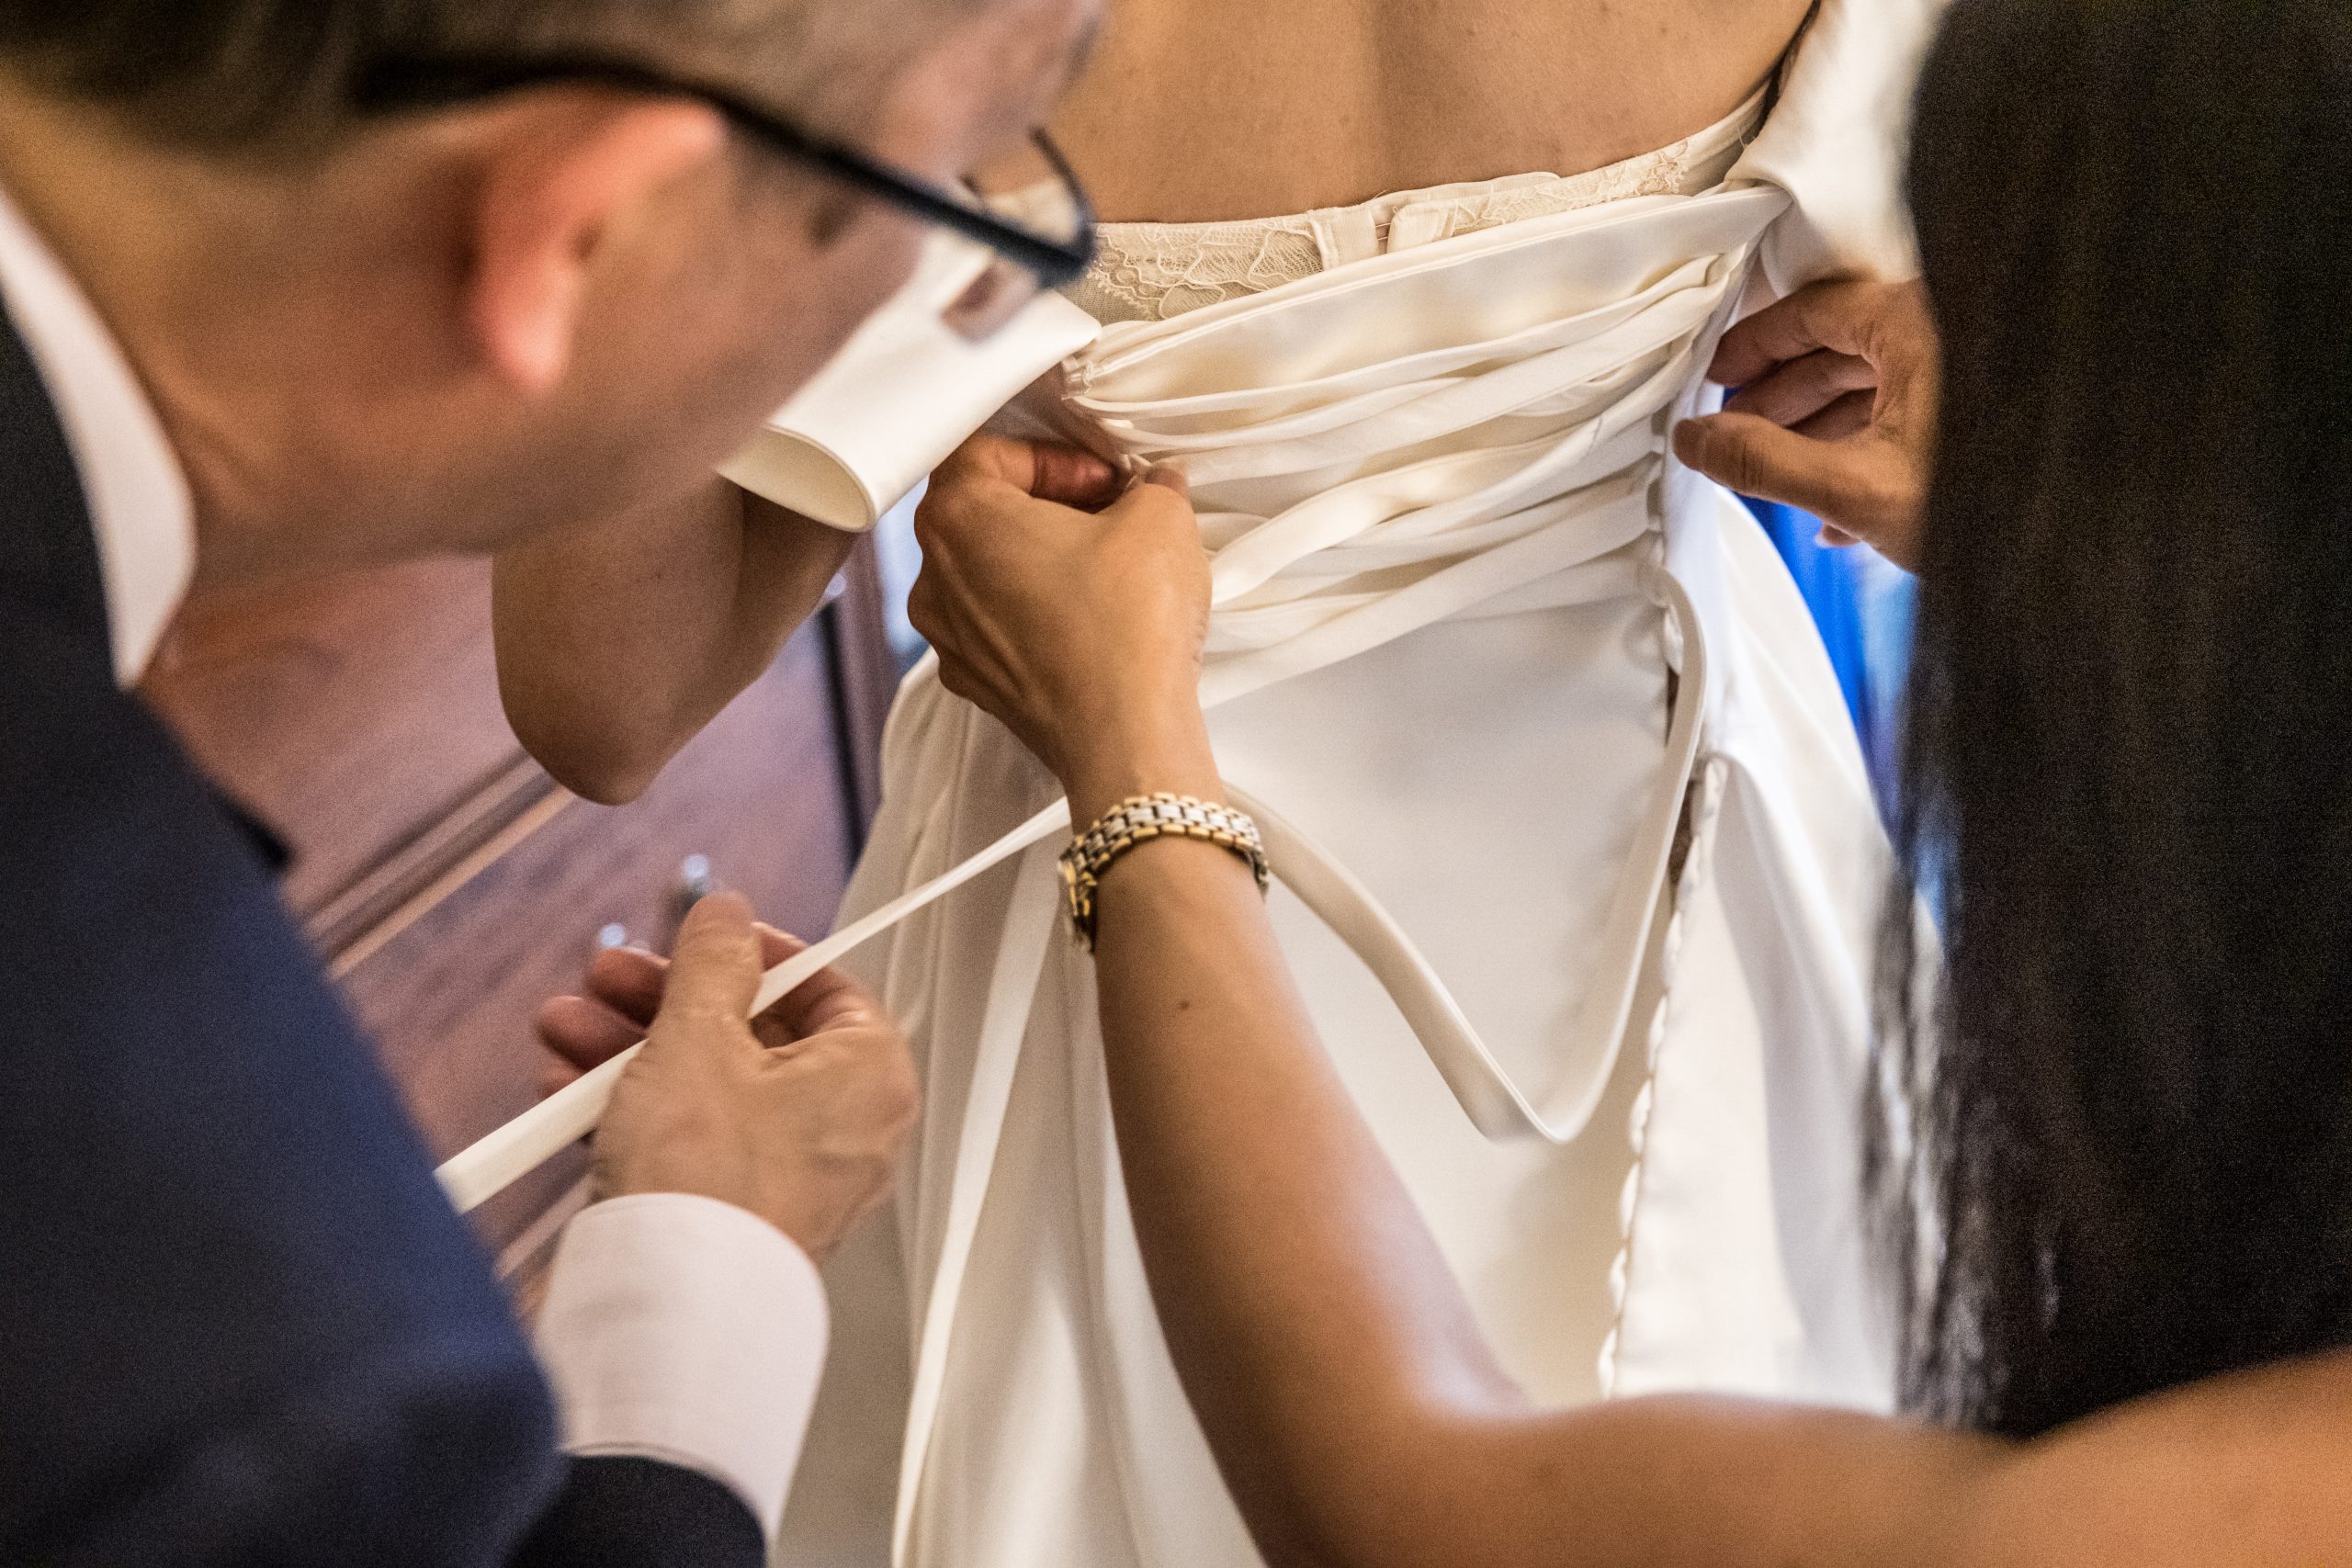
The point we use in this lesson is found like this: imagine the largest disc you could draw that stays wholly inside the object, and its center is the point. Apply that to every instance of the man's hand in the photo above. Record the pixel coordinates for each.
(1082, 632)
(1835, 413)
(797, 1116)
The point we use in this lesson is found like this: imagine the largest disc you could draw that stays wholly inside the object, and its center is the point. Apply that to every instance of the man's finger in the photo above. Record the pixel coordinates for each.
(629, 981)
(828, 999)
(1803, 387)
(1755, 457)
(777, 947)
(714, 969)
(583, 1033)
(1835, 316)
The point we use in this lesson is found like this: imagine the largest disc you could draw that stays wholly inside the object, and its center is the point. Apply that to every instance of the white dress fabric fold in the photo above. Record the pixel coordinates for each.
(1579, 867)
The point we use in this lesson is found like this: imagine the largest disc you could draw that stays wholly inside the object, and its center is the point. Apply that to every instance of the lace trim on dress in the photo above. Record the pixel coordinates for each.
(1151, 272)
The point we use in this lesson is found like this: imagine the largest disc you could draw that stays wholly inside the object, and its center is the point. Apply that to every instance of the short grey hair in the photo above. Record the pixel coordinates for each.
(251, 73)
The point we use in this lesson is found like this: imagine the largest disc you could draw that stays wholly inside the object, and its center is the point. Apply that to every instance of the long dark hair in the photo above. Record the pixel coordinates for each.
(2120, 1152)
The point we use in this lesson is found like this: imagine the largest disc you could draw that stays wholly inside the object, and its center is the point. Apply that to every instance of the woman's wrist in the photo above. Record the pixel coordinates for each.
(1115, 764)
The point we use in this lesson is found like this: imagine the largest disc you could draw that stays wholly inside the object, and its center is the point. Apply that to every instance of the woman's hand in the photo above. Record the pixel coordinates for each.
(1081, 629)
(1835, 413)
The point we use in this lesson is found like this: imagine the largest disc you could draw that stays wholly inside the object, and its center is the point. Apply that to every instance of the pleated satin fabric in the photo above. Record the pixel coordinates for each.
(1583, 868)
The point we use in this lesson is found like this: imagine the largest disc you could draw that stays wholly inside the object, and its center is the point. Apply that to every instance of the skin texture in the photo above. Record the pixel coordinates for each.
(797, 1116)
(1835, 413)
(1356, 1412)
(618, 643)
(1283, 108)
(1358, 1418)
(469, 330)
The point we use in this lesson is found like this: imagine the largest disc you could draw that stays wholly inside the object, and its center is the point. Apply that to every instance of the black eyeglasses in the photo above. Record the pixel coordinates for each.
(1028, 260)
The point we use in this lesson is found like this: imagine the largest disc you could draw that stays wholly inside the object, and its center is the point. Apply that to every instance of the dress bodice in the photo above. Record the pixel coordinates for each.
(1151, 272)
(1466, 616)
(1457, 410)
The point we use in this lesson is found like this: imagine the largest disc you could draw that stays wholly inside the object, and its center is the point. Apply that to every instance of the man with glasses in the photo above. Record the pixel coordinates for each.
(293, 285)
(677, 608)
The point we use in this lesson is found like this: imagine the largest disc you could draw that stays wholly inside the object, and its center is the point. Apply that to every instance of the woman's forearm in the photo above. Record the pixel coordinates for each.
(617, 643)
(1350, 1399)
(1313, 1319)
(1361, 1422)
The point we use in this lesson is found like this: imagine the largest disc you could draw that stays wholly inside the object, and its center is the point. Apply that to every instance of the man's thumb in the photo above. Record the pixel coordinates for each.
(714, 968)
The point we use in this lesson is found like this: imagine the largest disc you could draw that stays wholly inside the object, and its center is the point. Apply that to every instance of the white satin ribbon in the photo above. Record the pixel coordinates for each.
(1310, 586)
(1494, 1102)
(488, 1168)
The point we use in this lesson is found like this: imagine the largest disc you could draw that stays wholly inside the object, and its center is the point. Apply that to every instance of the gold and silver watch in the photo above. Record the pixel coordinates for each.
(1139, 820)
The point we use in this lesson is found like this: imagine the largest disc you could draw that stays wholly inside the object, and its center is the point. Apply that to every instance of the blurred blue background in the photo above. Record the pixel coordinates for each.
(1864, 605)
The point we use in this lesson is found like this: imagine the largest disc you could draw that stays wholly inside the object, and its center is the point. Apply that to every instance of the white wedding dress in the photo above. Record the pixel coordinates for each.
(1548, 739)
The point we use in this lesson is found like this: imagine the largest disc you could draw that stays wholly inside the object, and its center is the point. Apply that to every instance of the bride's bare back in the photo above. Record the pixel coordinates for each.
(1198, 111)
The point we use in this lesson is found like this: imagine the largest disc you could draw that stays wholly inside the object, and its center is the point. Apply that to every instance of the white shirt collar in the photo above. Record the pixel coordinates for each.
(136, 492)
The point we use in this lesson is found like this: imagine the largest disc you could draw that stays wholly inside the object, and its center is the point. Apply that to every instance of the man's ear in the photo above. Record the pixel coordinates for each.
(549, 198)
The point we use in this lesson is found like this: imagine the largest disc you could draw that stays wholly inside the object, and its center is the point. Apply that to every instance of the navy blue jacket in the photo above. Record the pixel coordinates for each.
(239, 1324)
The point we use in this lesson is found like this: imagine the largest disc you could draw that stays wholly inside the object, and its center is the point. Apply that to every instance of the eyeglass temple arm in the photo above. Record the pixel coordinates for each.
(1057, 263)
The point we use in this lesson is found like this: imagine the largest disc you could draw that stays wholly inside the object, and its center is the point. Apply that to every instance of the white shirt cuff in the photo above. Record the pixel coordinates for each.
(690, 1331)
